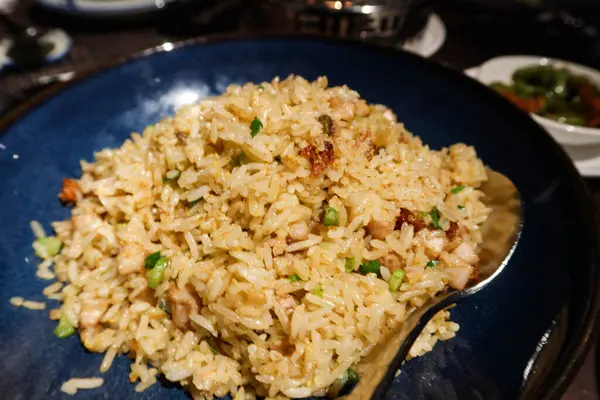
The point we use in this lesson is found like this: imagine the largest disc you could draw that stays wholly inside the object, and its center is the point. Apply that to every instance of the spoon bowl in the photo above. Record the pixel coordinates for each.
(501, 233)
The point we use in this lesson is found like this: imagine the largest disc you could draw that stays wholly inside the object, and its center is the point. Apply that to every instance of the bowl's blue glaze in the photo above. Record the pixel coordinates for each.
(554, 264)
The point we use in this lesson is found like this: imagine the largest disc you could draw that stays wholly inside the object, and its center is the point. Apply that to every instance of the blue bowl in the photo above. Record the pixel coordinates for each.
(522, 337)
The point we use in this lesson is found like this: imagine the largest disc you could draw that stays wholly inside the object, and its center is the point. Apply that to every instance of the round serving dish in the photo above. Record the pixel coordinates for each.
(503, 350)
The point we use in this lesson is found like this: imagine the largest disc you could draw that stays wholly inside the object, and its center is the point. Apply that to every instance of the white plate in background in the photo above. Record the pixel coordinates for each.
(104, 7)
(585, 158)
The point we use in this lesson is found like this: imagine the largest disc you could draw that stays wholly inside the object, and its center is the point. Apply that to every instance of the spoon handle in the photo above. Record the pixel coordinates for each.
(381, 365)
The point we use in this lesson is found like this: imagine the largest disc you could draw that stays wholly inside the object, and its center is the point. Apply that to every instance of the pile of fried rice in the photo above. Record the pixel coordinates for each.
(261, 242)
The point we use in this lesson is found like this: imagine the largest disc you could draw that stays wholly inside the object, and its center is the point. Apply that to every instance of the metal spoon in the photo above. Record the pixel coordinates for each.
(501, 233)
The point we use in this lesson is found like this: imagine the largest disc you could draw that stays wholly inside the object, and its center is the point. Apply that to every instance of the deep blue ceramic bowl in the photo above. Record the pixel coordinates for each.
(522, 337)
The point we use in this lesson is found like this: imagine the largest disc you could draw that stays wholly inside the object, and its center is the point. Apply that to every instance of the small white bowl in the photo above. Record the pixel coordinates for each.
(500, 69)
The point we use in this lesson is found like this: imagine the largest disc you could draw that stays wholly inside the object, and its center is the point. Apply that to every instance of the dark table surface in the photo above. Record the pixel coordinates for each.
(473, 36)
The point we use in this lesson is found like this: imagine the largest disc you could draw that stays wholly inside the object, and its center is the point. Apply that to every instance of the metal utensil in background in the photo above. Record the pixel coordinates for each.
(381, 21)
(501, 233)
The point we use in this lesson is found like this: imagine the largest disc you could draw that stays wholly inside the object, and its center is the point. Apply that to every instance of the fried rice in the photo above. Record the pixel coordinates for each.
(261, 242)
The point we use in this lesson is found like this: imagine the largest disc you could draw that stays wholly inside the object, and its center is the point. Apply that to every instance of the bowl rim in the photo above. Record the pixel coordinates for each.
(576, 351)
(93, 7)
(528, 60)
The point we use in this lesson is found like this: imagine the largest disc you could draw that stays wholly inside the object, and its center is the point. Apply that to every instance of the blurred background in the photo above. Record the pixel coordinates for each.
(46, 42)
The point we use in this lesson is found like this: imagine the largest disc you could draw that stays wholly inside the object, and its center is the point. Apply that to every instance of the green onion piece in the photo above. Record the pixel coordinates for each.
(121, 226)
(396, 280)
(213, 349)
(151, 260)
(51, 244)
(193, 203)
(353, 377)
(431, 264)
(318, 291)
(155, 275)
(435, 218)
(255, 126)
(461, 207)
(240, 159)
(350, 263)
(164, 305)
(457, 189)
(370, 267)
(294, 278)
(278, 159)
(332, 218)
(173, 174)
(261, 87)
(64, 328)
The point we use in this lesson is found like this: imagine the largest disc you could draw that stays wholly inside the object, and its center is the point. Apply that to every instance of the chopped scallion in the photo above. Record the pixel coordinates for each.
(372, 266)
(318, 291)
(294, 278)
(193, 203)
(353, 377)
(240, 159)
(213, 349)
(51, 245)
(173, 174)
(457, 189)
(155, 275)
(396, 280)
(64, 328)
(350, 263)
(435, 218)
(261, 87)
(461, 207)
(255, 126)
(431, 264)
(164, 305)
(331, 217)
(151, 260)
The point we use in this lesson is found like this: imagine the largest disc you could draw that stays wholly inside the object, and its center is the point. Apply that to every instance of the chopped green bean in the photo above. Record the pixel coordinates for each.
(570, 119)
(500, 87)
